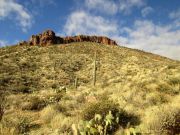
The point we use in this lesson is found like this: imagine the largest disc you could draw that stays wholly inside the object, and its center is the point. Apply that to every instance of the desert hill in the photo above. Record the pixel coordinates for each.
(47, 89)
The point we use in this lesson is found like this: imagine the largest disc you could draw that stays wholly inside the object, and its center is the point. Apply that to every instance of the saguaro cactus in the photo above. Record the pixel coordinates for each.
(76, 82)
(1, 112)
(95, 69)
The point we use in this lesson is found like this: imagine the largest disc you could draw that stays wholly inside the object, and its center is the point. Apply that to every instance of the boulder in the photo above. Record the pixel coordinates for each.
(34, 40)
(23, 43)
(48, 37)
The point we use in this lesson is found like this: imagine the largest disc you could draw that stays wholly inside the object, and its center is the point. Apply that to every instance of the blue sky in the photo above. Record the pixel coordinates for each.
(150, 25)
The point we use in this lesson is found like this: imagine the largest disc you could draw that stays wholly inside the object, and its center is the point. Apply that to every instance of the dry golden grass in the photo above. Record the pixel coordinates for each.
(163, 119)
(48, 113)
(62, 123)
(39, 83)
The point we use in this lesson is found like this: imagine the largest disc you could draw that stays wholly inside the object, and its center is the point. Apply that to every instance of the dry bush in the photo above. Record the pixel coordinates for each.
(155, 98)
(164, 119)
(48, 113)
(1, 105)
(174, 80)
(16, 125)
(6, 130)
(165, 88)
(34, 103)
(62, 123)
(81, 98)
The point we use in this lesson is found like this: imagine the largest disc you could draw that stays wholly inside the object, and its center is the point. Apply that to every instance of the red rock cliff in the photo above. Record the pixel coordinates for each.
(48, 37)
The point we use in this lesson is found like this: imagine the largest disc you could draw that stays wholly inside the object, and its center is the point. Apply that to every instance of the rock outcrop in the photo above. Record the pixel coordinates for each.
(82, 38)
(48, 37)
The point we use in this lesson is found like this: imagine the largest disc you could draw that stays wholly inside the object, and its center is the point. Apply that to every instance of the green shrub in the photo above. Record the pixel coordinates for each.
(54, 86)
(99, 125)
(103, 107)
(23, 125)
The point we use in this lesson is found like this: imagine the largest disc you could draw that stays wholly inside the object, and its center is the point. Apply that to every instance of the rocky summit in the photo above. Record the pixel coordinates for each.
(49, 37)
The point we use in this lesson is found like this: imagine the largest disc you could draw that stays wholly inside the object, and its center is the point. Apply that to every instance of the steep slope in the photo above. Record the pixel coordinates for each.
(33, 79)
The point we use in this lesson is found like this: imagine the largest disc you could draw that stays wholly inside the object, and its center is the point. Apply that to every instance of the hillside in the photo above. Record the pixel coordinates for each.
(39, 96)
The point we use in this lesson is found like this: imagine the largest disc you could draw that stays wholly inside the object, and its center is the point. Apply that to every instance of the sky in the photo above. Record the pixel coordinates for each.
(149, 25)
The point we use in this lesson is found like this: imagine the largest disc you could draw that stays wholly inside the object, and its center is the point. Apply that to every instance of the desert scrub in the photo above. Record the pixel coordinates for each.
(19, 83)
(164, 119)
(155, 98)
(19, 125)
(103, 107)
(2, 104)
(99, 125)
(62, 123)
(166, 88)
(49, 112)
(33, 103)
(100, 107)
(81, 98)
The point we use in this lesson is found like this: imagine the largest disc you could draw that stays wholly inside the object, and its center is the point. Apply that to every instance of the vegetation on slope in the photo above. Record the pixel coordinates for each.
(40, 96)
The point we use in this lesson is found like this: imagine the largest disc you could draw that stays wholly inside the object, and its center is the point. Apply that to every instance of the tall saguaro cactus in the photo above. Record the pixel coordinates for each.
(94, 69)
(76, 82)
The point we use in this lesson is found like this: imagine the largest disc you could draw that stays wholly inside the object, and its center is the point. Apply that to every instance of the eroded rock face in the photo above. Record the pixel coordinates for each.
(48, 37)
(97, 39)
(34, 40)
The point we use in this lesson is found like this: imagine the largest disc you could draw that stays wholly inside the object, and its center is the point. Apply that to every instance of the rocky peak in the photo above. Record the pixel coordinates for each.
(48, 37)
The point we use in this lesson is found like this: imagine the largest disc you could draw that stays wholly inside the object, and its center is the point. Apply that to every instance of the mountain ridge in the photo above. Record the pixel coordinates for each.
(48, 37)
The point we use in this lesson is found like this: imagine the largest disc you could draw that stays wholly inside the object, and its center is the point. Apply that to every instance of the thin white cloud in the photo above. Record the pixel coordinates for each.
(3, 43)
(126, 6)
(81, 22)
(146, 35)
(104, 6)
(111, 7)
(146, 11)
(15, 11)
(175, 15)
(42, 3)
